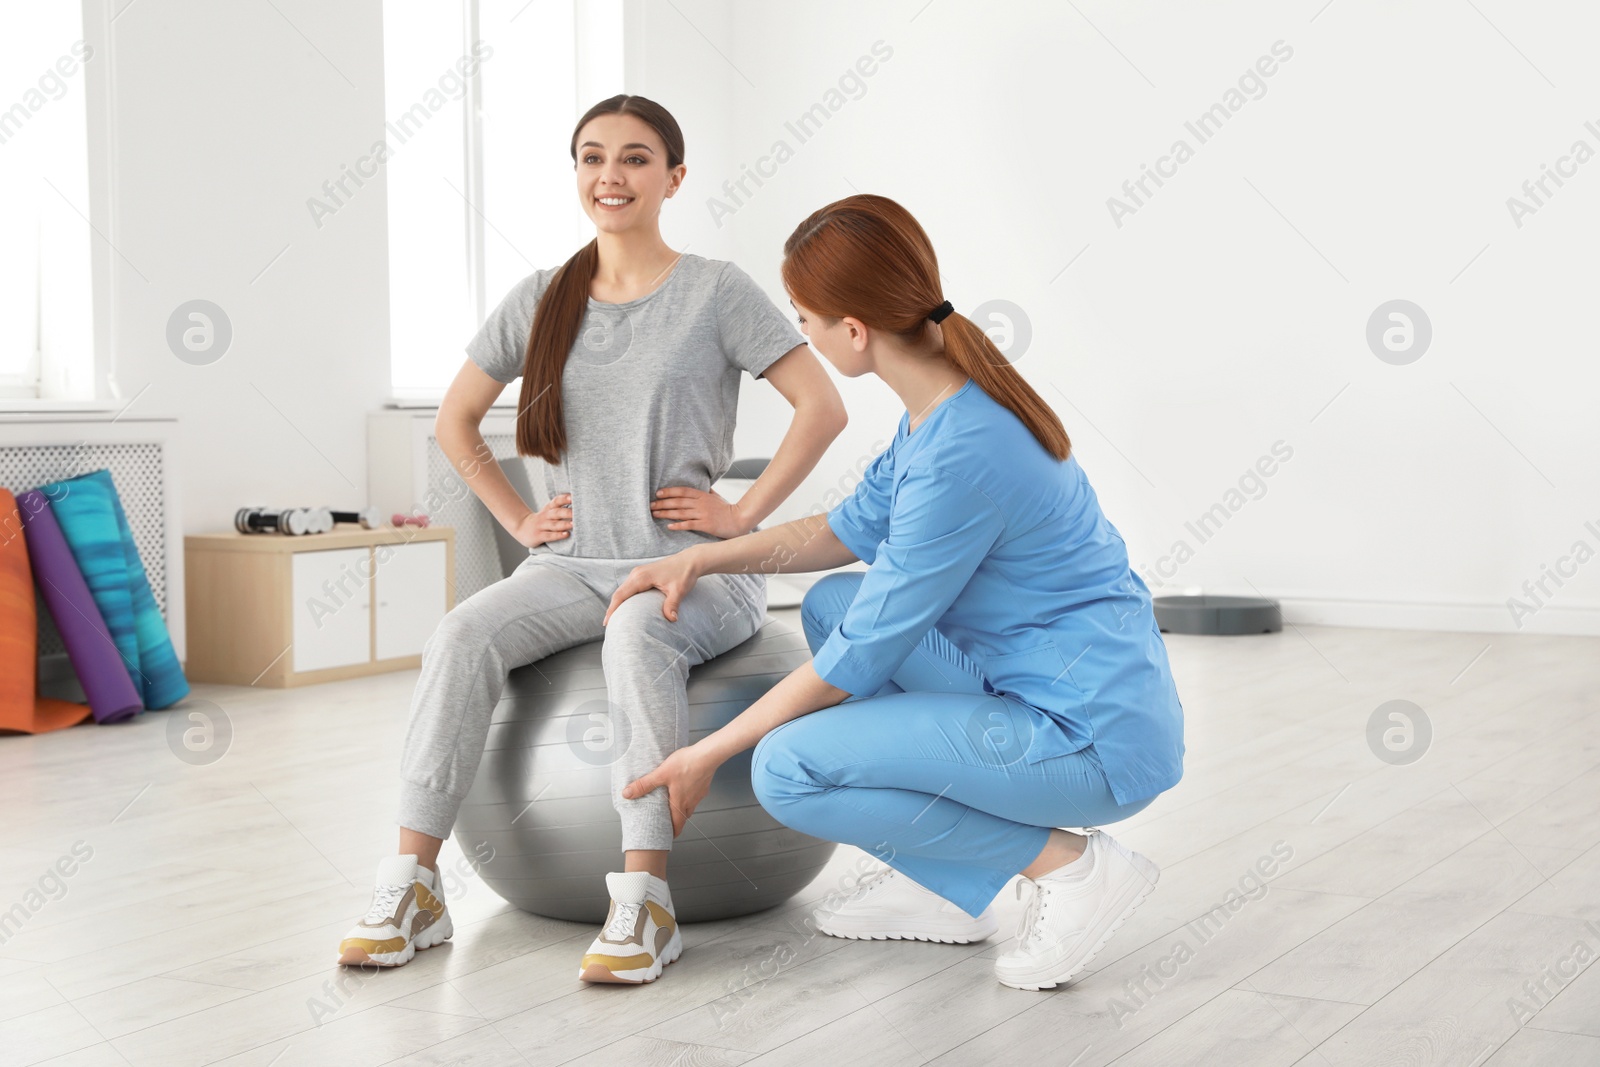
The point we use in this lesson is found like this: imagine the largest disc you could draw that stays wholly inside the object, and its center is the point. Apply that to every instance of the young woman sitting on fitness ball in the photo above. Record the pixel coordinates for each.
(630, 357)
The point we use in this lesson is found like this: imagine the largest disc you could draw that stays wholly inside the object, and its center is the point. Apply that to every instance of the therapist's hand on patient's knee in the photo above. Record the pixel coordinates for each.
(674, 575)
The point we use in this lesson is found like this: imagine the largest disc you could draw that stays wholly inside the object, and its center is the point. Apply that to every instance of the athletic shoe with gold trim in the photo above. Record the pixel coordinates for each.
(641, 933)
(407, 913)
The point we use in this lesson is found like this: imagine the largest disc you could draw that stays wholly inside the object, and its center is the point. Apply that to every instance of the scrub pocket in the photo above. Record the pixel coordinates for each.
(1060, 729)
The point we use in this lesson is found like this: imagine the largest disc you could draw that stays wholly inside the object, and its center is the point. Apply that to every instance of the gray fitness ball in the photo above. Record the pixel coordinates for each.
(542, 797)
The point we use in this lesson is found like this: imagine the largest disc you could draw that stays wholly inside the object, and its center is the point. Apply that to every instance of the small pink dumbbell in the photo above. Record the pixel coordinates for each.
(409, 520)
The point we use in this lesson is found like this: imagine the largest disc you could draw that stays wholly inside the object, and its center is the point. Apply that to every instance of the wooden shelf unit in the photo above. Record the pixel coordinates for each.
(276, 610)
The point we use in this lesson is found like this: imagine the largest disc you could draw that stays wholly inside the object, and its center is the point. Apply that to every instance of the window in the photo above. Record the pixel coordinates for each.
(46, 298)
(481, 97)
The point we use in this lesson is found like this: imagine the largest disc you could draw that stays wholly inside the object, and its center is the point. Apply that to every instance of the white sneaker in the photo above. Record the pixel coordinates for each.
(641, 932)
(889, 906)
(1068, 920)
(407, 913)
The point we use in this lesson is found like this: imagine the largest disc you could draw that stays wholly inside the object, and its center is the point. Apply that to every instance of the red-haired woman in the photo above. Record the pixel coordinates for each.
(997, 672)
(630, 356)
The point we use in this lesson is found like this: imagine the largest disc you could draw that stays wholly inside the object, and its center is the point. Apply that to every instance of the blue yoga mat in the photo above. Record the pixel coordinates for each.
(91, 517)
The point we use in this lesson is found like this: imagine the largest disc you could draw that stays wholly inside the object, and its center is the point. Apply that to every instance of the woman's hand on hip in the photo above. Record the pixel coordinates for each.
(674, 575)
(699, 509)
(687, 776)
(550, 523)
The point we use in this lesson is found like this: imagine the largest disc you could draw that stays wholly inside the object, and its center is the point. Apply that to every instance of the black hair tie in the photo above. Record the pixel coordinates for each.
(942, 312)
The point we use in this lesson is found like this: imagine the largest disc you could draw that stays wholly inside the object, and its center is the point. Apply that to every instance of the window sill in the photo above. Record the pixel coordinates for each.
(503, 402)
(21, 404)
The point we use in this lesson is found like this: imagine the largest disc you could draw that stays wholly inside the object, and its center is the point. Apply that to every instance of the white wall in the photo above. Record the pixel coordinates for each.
(225, 119)
(1229, 312)
(1225, 315)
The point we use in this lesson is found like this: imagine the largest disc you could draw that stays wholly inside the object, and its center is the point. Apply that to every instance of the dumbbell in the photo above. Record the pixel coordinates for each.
(367, 517)
(257, 519)
(321, 520)
(409, 520)
(318, 520)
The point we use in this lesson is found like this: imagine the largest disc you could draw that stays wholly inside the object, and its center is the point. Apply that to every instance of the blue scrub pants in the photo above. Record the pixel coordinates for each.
(928, 773)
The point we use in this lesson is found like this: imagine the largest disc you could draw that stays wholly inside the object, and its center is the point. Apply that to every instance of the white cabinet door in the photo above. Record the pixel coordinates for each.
(332, 608)
(410, 587)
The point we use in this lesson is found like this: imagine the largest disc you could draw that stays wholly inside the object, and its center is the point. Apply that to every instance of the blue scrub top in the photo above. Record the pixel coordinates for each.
(971, 525)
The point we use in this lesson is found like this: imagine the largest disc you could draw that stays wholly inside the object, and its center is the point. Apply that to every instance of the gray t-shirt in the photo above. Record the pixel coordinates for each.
(650, 394)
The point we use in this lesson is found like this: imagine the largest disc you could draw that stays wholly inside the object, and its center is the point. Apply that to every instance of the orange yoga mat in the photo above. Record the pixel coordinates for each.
(21, 708)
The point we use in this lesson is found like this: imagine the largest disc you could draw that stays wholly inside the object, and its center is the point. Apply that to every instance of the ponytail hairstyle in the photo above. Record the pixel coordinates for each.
(866, 257)
(541, 425)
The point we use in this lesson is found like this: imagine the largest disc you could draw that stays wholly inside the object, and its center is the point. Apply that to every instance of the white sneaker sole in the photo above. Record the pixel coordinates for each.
(1048, 974)
(438, 933)
(639, 975)
(907, 929)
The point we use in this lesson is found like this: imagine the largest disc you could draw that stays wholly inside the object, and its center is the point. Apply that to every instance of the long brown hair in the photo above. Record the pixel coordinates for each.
(541, 423)
(866, 256)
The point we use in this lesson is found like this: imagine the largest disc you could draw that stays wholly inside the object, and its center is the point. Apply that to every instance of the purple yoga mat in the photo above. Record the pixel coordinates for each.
(104, 677)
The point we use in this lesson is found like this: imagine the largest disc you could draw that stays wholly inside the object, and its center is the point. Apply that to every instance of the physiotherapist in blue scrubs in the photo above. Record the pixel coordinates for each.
(996, 673)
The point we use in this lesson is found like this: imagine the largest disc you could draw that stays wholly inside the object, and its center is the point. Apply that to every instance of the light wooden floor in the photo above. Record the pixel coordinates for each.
(1417, 900)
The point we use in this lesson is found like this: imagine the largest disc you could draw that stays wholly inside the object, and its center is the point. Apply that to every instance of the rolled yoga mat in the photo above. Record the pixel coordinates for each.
(91, 517)
(21, 708)
(94, 655)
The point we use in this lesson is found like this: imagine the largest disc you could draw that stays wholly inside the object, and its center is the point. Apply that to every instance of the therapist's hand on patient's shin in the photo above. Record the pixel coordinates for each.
(674, 575)
(687, 777)
(699, 509)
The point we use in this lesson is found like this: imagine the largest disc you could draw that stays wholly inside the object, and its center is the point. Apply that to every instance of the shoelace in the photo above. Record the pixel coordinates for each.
(868, 883)
(1028, 929)
(871, 882)
(622, 922)
(383, 902)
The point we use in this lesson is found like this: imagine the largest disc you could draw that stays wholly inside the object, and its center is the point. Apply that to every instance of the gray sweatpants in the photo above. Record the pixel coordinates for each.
(549, 603)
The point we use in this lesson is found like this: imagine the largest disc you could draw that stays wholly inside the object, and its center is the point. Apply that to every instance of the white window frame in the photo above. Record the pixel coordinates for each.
(34, 390)
(601, 31)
